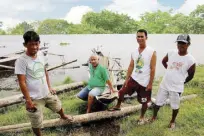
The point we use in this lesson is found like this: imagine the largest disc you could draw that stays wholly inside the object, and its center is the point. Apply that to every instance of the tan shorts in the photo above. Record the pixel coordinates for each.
(51, 101)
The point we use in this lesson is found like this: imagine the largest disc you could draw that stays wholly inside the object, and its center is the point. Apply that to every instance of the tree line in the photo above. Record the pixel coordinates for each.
(107, 22)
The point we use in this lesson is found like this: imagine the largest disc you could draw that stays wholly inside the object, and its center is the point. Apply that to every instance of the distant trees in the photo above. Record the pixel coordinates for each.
(107, 22)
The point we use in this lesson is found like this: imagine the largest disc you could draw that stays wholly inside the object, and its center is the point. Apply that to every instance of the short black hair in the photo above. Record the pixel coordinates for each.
(142, 31)
(31, 36)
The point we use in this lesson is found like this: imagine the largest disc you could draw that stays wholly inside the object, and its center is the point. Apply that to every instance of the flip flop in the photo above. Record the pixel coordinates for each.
(114, 109)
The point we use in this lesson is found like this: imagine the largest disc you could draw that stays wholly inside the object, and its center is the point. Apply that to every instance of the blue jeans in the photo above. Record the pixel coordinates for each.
(85, 92)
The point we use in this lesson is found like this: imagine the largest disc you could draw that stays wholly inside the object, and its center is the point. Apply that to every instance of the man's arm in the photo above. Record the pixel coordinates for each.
(48, 82)
(24, 90)
(191, 72)
(164, 61)
(22, 84)
(110, 85)
(47, 79)
(152, 71)
(130, 69)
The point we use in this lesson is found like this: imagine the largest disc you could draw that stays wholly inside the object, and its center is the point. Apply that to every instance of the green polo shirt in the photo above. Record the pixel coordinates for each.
(98, 77)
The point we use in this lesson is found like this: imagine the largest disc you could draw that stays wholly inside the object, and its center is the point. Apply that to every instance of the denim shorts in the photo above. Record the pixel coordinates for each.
(83, 94)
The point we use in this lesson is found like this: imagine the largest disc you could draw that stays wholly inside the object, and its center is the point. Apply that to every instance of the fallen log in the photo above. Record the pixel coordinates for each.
(84, 118)
(7, 101)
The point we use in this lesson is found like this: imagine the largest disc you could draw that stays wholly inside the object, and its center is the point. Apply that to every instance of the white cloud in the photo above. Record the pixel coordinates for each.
(9, 22)
(11, 10)
(189, 6)
(14, 7)
(75, 14)
(135, 8)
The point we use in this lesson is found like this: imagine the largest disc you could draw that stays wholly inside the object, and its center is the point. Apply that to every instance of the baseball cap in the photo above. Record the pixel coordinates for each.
(184, 38)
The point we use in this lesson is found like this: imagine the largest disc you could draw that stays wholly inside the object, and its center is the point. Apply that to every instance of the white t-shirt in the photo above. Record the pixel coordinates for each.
(141, 72)
(34, 70)
(177, 71)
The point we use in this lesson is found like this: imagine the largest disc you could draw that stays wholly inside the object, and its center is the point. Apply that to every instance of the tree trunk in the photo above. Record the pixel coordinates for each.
(84, 118)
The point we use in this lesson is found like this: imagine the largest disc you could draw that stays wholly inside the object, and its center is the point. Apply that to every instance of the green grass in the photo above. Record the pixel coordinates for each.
(67, 80)
(189, 122)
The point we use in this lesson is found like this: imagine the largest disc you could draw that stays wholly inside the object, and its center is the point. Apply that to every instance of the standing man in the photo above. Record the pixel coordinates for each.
(180, 68)
(35, 85)
(97, 82)
(140, 75)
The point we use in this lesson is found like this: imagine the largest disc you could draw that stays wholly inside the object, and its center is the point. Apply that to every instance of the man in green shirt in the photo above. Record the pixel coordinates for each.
(97, 82)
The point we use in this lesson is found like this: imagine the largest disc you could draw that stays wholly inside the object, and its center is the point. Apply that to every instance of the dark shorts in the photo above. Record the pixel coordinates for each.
(143, 96)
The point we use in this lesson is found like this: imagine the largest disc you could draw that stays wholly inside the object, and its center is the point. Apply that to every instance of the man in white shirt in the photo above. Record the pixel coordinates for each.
(140, 75)
(180, 68)
(35, 85)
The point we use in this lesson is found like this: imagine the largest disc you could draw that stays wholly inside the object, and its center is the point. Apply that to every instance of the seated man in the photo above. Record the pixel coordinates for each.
(97, 82)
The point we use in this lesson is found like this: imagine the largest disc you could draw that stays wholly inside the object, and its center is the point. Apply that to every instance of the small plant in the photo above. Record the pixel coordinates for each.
(64, 44)
(68, 80)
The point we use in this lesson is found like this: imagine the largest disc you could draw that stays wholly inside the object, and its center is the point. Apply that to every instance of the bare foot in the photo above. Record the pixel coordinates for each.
(67, 117)
(172, 125)
(152, 120)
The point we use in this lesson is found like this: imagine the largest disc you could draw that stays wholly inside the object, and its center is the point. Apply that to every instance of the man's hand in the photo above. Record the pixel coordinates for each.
(149, 87)
(30, 106)
(52, 91)
(113, 91)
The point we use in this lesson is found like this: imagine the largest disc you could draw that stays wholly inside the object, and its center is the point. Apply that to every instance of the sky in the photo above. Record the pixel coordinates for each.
(13, 12)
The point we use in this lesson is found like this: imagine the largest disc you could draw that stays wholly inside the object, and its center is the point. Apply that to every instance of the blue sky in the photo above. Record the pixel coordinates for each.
(172, 3)
(13, 12)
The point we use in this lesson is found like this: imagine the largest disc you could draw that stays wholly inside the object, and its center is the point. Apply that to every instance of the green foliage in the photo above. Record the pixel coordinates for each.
(21, 28)
(2, 32)
(53, 26)
(198, 12)
(155, 22)
(64, 44)
(68, 80)
(86, 29)
(110, 21)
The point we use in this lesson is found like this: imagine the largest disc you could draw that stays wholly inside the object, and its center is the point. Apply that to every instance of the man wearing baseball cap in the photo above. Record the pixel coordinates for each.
(180, 68)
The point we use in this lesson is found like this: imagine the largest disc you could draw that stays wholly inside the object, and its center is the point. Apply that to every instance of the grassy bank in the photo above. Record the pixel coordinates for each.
(189, 122)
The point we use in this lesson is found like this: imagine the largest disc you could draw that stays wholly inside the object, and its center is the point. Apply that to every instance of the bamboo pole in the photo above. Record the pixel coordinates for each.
(63, 64)
(7, 67)
(84, 118)
(7, 101)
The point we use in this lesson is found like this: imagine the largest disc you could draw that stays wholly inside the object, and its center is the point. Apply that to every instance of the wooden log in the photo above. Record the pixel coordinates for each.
(56, 54)
(71, 67)
(7, 101)
(84, 118)
(63, 64)
(7, 67)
